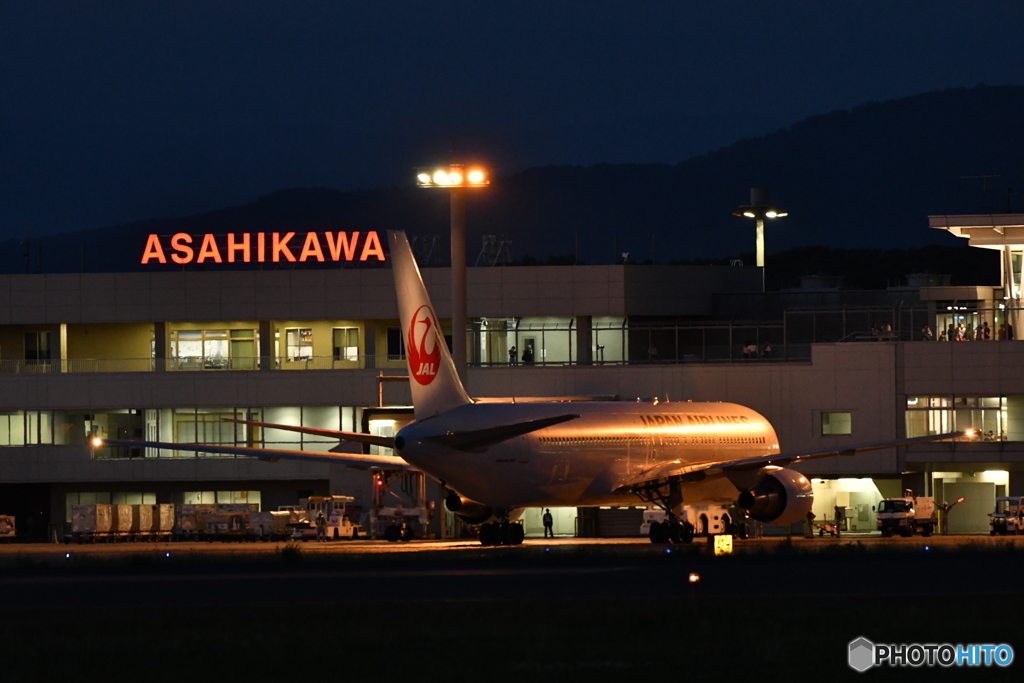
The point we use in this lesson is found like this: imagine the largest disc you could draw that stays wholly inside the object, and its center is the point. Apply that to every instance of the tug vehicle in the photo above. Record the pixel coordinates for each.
(907, 515)
(1008, 516)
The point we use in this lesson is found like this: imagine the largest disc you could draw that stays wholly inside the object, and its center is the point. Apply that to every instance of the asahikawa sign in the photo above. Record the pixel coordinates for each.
(263, 247)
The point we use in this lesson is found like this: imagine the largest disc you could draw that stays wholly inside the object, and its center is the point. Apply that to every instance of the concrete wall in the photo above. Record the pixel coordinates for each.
(74, 464)
(683, 291)
(965, 368)
(191, 389)
(111, 340)
(366, 293)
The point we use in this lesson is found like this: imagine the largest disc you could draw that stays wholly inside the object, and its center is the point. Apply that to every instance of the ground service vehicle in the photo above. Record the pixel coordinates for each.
(304, 516)
(397, 523)
(270, 525)
(907, 516)
(1008, 517)
(215, 522)
(698, 520)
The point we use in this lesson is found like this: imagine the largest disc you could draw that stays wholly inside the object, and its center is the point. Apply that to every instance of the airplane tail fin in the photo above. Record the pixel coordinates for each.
(433, 379)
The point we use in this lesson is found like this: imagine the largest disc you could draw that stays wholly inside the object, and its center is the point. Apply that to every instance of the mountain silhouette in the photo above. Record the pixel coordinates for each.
(864, 178)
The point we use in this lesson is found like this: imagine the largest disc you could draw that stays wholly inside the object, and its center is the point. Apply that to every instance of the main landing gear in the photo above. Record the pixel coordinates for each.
(502, 532)
(669, 497)
(671, 531)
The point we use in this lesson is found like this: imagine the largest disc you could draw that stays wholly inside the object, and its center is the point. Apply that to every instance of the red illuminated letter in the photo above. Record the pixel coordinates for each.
(371, 247)
(261, 247)
(153, 250)
(281, 247)
(342, 243)
(180, 243)
(312, 248)
(209, 250)
(242, 246)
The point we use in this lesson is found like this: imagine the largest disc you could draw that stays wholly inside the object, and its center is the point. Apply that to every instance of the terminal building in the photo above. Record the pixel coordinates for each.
(168, 355)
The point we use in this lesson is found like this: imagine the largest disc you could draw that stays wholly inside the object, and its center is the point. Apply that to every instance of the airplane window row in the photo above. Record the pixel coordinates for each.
(595, 440)
(648, 440)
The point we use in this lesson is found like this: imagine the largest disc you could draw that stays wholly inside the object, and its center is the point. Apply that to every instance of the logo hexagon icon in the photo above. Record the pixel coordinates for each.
(862, 654)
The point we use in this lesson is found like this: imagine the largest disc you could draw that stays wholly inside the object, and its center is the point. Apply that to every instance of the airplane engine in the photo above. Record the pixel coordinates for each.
(470, 510)
(781, 496)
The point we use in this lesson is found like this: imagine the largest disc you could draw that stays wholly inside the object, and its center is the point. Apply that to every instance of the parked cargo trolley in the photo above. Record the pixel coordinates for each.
(227, 521)
(102, 522)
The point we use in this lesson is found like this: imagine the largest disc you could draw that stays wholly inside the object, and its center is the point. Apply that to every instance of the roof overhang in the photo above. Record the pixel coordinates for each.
(987, 231)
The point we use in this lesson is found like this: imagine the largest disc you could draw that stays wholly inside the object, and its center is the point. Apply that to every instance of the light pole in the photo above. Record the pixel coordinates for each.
(456, 178)
(760, 208)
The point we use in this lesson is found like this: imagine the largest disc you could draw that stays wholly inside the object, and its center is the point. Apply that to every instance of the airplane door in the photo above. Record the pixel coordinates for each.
(560, 471)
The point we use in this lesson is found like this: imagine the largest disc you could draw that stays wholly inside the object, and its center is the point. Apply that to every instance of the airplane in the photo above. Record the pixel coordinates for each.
(495, 458)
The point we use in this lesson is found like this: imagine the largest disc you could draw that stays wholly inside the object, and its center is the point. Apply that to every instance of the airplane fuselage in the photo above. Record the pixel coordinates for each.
(584, 461)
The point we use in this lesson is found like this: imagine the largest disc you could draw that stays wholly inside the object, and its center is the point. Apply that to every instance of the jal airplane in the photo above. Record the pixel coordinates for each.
(497, 457)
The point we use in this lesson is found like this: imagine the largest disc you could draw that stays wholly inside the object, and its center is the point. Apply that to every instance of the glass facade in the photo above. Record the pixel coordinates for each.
(546, 340)
(994, 418)
(26, 427)
(319, 344)
(208, 426)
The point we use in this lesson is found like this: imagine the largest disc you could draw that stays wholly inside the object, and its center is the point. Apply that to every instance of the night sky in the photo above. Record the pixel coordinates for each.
(112, 112)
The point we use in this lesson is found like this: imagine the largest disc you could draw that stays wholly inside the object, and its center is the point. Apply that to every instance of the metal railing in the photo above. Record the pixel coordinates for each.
(642, 343)
(81, 365)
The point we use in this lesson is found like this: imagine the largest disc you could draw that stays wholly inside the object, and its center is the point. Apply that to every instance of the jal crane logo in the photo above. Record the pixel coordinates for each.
(423, 346)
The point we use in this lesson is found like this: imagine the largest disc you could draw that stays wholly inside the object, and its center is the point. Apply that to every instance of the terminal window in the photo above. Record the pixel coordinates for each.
(836, 424)
(105, 498)
(299, 343)
(213, 349)
(26, 427)
(37, 347)
(396, 345)
(346, 343)
(222, 497)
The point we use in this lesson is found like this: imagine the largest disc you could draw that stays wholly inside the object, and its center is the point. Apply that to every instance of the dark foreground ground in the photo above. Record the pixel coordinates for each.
(542, 612)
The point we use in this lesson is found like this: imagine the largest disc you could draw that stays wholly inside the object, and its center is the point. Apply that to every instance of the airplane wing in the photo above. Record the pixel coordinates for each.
(385, 441)
(358, 461)
(478, 440)
(696, 471)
